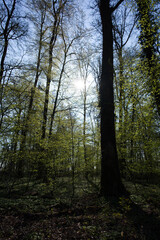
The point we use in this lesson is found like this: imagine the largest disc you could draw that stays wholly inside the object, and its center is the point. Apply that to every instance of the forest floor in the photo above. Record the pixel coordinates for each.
(34, 217)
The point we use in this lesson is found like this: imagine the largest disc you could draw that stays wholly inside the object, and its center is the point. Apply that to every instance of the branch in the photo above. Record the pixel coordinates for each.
(130, 32)
(116, 6)
(6, 6)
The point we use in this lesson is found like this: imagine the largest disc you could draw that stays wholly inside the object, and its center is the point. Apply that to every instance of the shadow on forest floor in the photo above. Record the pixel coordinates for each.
(31, 217)
(147, 224)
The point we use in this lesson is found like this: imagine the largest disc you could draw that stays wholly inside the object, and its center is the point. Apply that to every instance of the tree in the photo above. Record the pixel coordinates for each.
(12, 29)
(148, 41)
(57, 13)
(111, 184)
(84, 72)
(140, 119)
(8, 27)
(122, 30)
(41, 32)
(66, 48)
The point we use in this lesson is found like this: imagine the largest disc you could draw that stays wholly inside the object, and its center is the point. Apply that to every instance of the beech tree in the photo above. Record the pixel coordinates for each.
(148, 40)
(111, 184)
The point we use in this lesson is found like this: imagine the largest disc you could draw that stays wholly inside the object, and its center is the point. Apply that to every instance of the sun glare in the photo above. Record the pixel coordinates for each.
(79, 84)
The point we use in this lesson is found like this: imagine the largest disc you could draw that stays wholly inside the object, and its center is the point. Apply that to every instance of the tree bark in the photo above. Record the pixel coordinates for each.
(111, 184)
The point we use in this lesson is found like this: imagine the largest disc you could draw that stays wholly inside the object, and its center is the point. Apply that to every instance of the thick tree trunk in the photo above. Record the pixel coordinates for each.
(111, 184)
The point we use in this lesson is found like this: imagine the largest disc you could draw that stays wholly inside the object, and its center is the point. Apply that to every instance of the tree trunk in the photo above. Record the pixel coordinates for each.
(49, 71)
(5, 34)
(57, 94)
(111, 184)
(33, 89)
(122, 139)
(147, 39)
(84, 129)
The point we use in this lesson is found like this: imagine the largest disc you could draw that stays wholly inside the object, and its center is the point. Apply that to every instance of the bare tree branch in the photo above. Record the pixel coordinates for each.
(130, 32)
(116, 6)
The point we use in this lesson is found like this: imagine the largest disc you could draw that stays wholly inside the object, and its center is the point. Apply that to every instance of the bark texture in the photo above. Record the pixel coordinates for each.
(111, 184)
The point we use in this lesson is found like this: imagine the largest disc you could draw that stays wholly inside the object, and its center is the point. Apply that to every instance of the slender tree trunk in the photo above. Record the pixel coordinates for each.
(5, 34)
(121, 87)
(3, 59)
(132, 130)
(66, 50)
(26, 124)
(2, 116)
(57, 94)
(111, 184)
(25, 127)
(49, 75)
(4, 53)
(84, 128)
(119, 31)
(17, 132)
(122, 139)
(72, 154)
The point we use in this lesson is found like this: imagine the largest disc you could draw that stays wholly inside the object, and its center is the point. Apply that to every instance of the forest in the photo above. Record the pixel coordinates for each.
(79, 119)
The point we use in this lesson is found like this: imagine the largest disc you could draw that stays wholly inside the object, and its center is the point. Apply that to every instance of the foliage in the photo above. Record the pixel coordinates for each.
(51, 183)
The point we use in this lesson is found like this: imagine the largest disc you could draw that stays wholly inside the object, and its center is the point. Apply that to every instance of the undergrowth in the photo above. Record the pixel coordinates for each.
(50, 211)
